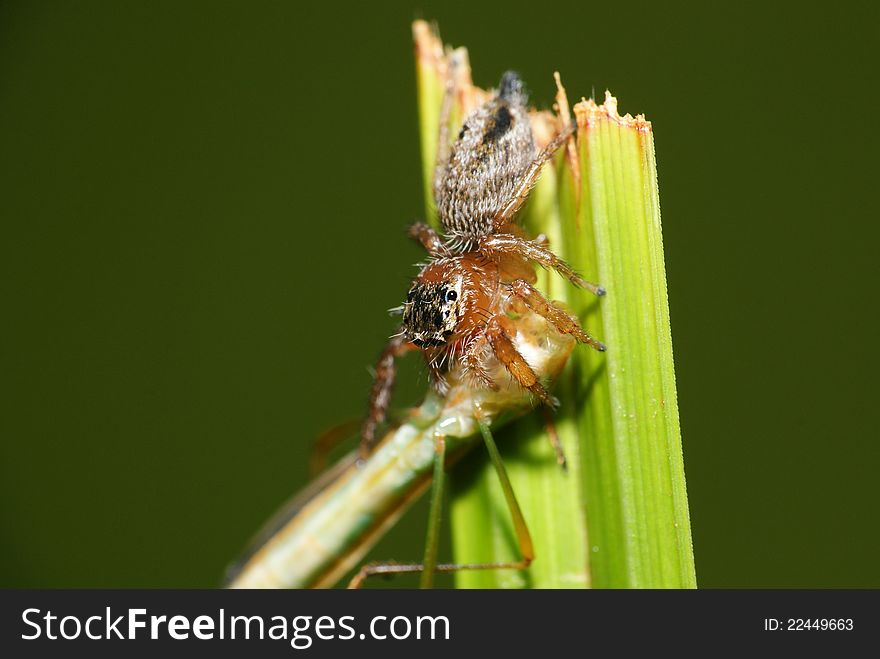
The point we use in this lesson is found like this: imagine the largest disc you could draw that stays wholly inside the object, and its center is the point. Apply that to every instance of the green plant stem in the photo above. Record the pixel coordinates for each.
(634, 482)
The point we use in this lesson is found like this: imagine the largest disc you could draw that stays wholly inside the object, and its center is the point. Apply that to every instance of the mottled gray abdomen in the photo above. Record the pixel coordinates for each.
(486, 162)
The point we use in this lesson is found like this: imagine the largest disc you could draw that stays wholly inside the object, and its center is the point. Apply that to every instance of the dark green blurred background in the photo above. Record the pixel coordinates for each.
(202, 209)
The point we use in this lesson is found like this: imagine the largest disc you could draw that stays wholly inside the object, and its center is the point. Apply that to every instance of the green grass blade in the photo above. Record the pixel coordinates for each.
(430, 87)
(633, 469)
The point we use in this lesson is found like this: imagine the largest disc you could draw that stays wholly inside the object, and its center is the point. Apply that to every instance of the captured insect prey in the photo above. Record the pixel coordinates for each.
(480, 270)
(324, 531)
(492, 342)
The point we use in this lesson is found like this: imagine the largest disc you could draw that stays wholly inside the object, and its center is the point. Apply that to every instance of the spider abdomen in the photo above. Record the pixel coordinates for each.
(486, 163)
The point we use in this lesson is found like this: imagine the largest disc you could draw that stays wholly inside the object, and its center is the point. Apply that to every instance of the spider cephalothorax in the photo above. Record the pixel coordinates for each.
(481, 269)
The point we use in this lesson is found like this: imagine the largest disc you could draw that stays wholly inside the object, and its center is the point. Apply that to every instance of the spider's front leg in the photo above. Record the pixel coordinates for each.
(560, 319)
(498, 333)
(472, 359)
(383, 385)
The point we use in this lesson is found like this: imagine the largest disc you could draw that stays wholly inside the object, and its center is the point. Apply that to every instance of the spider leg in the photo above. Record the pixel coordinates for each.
(529, 249)
(513, 361)
(473, 362)
(437, 369)
(380, 394)
(561, 320)
(429, 239)
(529, 178)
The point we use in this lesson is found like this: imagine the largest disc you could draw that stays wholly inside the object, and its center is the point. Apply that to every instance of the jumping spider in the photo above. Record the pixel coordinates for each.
(481, 269)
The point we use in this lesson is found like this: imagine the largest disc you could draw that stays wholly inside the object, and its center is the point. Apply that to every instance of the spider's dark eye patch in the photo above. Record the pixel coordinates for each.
(462, 131)
(430, 312)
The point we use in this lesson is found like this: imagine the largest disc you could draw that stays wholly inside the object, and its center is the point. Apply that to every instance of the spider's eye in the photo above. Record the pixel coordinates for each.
(410, 296)
(451, 296)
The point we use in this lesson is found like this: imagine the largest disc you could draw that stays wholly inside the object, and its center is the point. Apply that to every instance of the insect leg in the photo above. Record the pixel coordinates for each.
(529, 249)
(553, 436)
(433, 537)
(380, 394)
(563, 321)
(524, 538)
(529, 178)
(329, 440)
(429, 239)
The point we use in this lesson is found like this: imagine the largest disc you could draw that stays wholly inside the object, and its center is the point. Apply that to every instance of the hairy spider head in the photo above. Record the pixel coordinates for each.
(431, 311)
